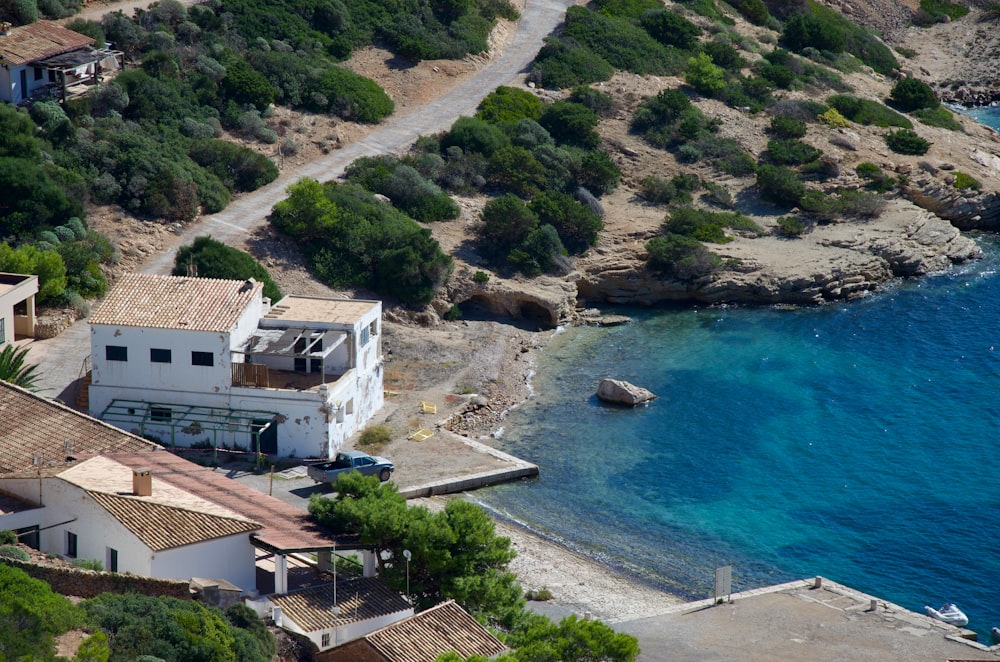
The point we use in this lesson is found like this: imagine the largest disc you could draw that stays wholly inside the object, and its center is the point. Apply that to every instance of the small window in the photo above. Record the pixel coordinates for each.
(315, 365)
(373, 328)
(71, 544)
(3, 330)
(202, 358)
(364, 336)
(112, 563)
(325, 640)
(38, 73)
(116, 353)
(160, 414)
(159, 355)
(300, 365)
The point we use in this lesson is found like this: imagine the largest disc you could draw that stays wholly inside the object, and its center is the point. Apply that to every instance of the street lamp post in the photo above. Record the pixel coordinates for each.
(407, 555)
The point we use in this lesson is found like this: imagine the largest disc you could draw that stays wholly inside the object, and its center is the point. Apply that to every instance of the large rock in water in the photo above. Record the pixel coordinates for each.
(616, 390)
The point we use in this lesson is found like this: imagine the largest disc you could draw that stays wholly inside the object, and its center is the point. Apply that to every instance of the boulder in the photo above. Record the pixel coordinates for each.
(621, 392)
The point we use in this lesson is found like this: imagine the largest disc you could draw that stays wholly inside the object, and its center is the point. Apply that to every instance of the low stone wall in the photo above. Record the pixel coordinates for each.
(90, 583)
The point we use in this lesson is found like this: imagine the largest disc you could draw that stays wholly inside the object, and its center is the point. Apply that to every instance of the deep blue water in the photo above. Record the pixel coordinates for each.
(857, 441)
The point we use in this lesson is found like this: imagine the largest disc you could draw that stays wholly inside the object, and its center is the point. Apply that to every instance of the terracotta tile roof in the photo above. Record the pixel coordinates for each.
(165, 527)
(176, 302)
(39, 40)
(359, 599)
(285, 528)
(425, 636)
(34, 425)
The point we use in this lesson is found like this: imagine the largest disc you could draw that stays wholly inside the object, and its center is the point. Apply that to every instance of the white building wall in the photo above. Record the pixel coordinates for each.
(69, 510)
(230, 558)
(139, 371)
(6, 324)
(6, 91)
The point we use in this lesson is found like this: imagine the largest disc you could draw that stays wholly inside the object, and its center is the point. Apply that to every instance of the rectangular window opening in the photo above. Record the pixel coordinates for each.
(202, 358)
(159, 355)
(116, 353)
(160, 414)
(325, 640)
(3, 331)
(112, 563)
(71, 544)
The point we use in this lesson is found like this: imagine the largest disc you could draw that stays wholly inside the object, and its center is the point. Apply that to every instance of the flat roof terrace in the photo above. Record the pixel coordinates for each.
(320, 309)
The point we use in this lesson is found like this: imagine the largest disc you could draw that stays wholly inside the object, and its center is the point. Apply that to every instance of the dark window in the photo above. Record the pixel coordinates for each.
(315, 365)
(116, 353)
(159, 355)
(52, 75)
(300, 365)
(300, 346)
(112, 559)
(70, 544)
(160, 413)
(3, 331)
(202, 358)
(38, 73)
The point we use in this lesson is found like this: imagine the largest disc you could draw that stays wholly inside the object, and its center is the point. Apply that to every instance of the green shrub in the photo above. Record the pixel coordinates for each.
(911, 94)
(877, 180)
(708, 9)
(213, 259)
(681, 257)
(453, 313)
(597, 172)
(670, 29)
(704, 76)
(780, 185)
(13, 552)
(791, 226)
(47, 264)
(572, 123)
(563, 63)
(474, 135)
(965, 181)
(939, 117)
(621, 44)
(905, 141)
(353, 97)
(480, 277)
(375, 436)
(754, 11)
(861, 204)
(820, 205)
(8, 537)
(576, 224)
(832, 117)
(786, 127)
(864, 111)
(627, 8)
(600, 102)
(238, 168)
(19, 12)
(351, 239)
(728, 156)
(88, 564)
(724, 55)
(538, 253)
(937, 10)
(809, 30)
(509, 104)
(791, 152)
(506, 221)
(655, 189)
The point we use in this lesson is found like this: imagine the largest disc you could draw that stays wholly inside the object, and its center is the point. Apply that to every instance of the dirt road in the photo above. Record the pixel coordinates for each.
(538, 19)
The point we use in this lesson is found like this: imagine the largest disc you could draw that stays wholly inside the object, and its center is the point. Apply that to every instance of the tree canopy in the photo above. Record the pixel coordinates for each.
(213, 259)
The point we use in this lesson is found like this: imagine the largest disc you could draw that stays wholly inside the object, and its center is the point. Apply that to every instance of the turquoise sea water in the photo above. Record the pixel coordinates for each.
(857, 441)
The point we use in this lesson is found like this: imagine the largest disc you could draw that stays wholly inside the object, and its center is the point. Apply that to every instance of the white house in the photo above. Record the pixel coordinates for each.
(193, 361)
(17, 306)
(44, 59)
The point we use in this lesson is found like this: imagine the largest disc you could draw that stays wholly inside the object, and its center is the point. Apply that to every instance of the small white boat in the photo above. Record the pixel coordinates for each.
(995, 632)
(948, 613)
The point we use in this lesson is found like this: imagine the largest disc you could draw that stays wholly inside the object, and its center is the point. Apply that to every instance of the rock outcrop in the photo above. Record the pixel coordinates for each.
(546, 301)
(622, 392)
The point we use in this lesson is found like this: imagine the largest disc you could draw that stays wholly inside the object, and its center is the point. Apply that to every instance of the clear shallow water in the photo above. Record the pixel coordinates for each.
(856, 441)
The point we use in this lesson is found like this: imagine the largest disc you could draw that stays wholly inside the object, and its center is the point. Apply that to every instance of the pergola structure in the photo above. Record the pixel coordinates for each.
(190, 419)
(66, 65)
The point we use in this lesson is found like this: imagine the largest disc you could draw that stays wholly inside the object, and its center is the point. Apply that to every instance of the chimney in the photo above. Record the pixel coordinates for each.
(142, 482)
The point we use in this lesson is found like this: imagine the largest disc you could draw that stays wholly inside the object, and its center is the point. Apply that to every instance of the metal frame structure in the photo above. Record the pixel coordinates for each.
(191, 419)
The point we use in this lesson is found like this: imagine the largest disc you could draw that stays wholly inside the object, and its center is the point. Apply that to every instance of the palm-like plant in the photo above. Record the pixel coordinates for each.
(15, 369)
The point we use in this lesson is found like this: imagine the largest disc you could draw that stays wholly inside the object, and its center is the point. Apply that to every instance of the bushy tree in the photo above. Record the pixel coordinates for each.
(808, 30)
(474, 135)
(569, 122)
(31, 616)
(454, 553)
(684, 258)
(213, 259)
(573, 639)
(905, 141)
(44, 263)
(780, 184)
(506, 221)
(911, 94)
(704, 76)
(19, 12)
(670, 28)
(239, 168)
(563, 63)
(509, 104)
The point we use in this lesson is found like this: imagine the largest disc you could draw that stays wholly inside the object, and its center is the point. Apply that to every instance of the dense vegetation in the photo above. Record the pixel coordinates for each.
(208, 258)
(455, 553)
(352, 239)
(124, 627)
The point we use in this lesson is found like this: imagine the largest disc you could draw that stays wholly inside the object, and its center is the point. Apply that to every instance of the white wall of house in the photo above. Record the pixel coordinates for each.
(12, 294)
(230, 558)
(68, 510)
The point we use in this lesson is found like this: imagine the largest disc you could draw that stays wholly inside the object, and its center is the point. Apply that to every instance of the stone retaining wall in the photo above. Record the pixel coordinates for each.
(90, 583)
